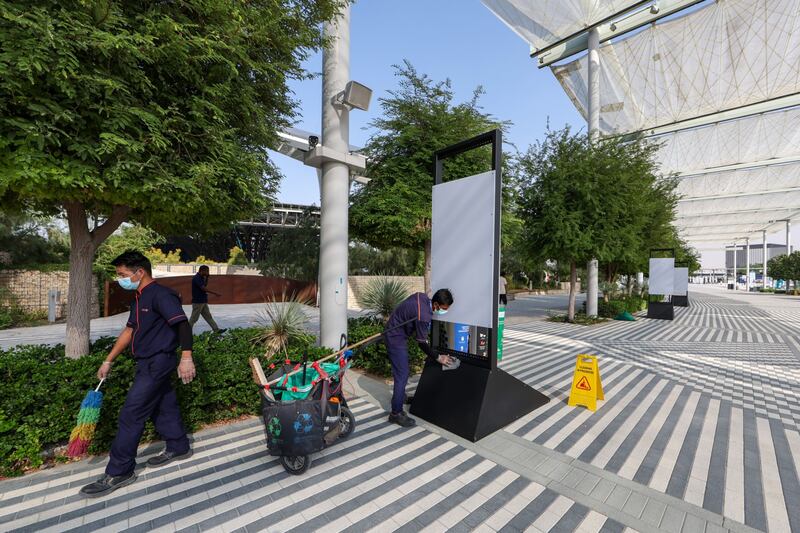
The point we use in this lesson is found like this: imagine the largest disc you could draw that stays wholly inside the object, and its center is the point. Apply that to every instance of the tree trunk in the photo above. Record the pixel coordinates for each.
(573, 282)
(428, 288)
(83, 245)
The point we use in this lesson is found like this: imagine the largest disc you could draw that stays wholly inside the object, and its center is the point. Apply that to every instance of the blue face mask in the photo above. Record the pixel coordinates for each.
(440, 312)
(127, 284)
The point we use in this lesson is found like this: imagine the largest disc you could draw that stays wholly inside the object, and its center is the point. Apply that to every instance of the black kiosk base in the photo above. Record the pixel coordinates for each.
(680, 301)
(472, 401)
(661, 310)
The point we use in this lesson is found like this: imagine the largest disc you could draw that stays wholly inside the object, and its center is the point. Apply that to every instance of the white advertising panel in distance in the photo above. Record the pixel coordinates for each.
(662, 275)
(681, 284)
(462, 247)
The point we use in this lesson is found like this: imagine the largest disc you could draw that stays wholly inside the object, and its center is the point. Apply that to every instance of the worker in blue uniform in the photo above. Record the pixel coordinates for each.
(156, 327)
(412, 317)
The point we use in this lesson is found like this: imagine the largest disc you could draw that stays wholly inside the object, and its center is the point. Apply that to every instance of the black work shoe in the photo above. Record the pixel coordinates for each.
(409, 399)
(107, 484)
(166, 457)
(221, 331)
(402, 419)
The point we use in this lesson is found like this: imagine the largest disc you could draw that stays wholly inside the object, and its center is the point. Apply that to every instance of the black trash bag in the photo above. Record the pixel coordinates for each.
(294, 428)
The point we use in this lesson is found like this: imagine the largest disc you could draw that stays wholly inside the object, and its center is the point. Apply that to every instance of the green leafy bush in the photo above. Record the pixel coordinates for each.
(375, 359)
(612, 308)
(41, 391)
(383, 294)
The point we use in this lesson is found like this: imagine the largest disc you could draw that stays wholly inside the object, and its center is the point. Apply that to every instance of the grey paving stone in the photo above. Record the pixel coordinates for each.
(602, 490)
(715, 528)
(635, 504)
(693, 524)
(653, 512)
(574, 478)
(672, 521)
(618, 497)
(588, 483)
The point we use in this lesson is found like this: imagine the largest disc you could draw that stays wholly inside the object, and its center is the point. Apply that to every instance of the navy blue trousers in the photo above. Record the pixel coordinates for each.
(398, 356)
(152, 396)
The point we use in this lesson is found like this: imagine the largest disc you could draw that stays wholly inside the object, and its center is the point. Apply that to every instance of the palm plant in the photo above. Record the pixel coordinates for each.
(281, 323)
(382, 295)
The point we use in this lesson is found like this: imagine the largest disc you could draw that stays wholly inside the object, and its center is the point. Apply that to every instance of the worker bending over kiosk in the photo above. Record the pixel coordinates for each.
(412, 317)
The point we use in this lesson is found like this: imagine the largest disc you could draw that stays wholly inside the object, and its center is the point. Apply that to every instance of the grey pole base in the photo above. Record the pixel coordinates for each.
(472, 401)
(661, 310)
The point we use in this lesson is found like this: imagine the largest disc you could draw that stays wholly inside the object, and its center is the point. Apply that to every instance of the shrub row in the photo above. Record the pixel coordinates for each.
(612, 308)
(41, 389)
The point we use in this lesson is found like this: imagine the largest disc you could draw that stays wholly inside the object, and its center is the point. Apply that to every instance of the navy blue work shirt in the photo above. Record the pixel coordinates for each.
(199, 296)
(153, 313)
(416, 312)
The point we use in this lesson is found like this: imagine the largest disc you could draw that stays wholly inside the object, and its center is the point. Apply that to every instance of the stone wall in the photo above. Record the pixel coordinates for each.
(29, 289)
(357, 284)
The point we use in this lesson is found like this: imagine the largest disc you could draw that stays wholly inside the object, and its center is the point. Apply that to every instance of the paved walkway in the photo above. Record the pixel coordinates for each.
(698, 433)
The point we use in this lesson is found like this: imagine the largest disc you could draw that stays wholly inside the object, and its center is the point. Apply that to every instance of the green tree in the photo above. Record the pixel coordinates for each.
(129, 237)
(367, 260)
(418, 118)
(153, 112)
(785, 267)
(582, 200)
(27, 240)
(294, 252)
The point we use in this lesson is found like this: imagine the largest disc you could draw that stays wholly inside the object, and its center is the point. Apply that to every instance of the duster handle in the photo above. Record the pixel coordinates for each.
(98, 385)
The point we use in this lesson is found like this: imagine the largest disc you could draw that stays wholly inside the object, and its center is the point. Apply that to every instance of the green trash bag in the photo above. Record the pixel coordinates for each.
(303, 387)
(625, 316)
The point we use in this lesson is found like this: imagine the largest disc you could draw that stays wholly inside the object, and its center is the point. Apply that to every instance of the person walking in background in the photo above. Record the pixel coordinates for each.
(200, 294)
(501, 288)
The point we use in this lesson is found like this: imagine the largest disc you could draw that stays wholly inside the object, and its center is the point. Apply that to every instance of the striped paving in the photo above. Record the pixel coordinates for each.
(705, 408)
(383, 478)
(698, 432)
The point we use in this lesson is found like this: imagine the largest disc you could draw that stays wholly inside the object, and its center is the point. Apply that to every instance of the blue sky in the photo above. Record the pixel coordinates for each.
(457, 39)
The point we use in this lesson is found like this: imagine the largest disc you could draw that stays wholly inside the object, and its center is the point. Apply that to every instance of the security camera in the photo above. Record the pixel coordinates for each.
(313, 141)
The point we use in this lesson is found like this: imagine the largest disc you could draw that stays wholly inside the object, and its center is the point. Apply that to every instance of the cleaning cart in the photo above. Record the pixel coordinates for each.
(303, 406)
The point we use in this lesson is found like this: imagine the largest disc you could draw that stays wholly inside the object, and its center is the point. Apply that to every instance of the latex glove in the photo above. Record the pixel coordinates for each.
(186, 370)
(444, 359)
(104, 370)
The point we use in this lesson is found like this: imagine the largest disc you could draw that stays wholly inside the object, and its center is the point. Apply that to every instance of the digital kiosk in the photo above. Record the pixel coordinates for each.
(477, 398)
(680, 288)
(661, 284)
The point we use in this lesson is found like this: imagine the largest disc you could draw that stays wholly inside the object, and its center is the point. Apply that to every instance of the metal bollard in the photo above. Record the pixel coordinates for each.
(53, 299)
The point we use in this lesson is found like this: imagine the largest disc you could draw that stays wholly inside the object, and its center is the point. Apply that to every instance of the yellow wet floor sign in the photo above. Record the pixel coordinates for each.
(586, 385)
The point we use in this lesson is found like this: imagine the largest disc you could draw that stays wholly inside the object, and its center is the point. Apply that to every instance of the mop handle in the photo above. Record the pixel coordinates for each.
(98, 385)
(331, 356)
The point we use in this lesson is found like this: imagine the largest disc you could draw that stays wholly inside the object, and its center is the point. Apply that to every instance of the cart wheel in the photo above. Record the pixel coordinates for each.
(347, 421)
(295, 464)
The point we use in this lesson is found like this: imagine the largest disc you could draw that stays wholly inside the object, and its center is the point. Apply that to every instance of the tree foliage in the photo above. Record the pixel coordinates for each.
(604, 200)
(293, 253)
(785, 267)
(153, 112)
(367, 260)
(418, 118)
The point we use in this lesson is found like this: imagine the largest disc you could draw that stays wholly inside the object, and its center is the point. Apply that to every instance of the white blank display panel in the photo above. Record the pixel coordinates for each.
(681, 284)
(462, 247)
(662, 275)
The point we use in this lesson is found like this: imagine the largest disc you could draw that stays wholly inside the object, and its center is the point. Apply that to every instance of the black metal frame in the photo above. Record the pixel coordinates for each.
(660, 310)
(495, 139)
(678, 299)
(477, 398)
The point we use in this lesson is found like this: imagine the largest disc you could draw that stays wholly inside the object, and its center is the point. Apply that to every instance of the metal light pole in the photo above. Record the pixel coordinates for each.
(593, 113)
(788, 236)
(747, 267)
(335, 184)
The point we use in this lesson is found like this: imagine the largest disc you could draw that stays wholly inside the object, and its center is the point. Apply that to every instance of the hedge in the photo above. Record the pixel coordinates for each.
(41, 389)
(374, 359)
(612, 308)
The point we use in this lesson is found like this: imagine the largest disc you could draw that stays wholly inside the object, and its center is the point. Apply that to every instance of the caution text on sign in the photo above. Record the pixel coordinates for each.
(587, 387)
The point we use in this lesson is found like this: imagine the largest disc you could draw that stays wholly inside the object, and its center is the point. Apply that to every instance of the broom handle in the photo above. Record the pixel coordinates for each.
(337, 354)
(98, 385)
